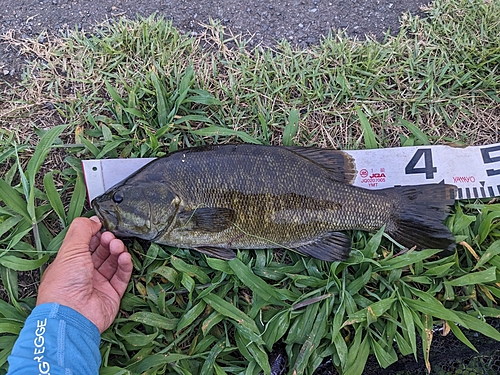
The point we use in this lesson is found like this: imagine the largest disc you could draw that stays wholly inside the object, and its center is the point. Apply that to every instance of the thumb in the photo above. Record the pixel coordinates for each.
(79, 235)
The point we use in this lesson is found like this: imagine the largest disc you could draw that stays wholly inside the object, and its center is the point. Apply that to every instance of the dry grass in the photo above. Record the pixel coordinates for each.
(65, 82)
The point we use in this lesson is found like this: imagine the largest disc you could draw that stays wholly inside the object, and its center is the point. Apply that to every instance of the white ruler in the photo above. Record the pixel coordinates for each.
(475, 170)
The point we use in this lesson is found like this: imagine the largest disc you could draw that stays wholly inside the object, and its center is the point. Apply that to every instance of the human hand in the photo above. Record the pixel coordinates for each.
(89, 274)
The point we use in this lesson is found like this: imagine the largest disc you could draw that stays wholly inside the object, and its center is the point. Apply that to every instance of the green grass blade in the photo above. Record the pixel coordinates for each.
(313, 340)
(154, 361)
(256, 284)
(8, 342)
(358, 354)
(27, 189)
(432, 307)
(184, 87)
(419, 134)
(114, 94)
(110, 146)
(291, 128)
(474, 278)
(212, 356)
(190, 316)
(190, 118)
(248, 335)
(302, 325)
(213, 131)
(225, 308)
(203, 97)
(212, 320)
(10, 312)
(42, 150)
(276, 328)
(13, 200)
(492, 251)
(77, 199)
(170, 274)
(406, 259)
(370, 313)
(91, 147)
(19, 264)
(409, 331)
(154, 320)
(260, 357)
(190, 270)
(368, 134)
(385, 356)
(54, 197)
(161, 102)
(9, 279)
(426, 336)
(10, 326)
(460, 335)
(478, 325)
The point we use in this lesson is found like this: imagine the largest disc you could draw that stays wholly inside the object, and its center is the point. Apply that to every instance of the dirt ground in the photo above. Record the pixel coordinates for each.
(263, 22)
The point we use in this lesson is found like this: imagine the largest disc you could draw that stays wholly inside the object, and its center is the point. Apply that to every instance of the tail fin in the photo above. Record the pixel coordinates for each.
(418, 219)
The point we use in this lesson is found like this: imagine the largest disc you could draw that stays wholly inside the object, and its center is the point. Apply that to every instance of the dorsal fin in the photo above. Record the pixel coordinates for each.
(340, 164)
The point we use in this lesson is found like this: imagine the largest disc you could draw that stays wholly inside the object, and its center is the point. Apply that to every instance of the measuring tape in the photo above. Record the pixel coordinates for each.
(475, 170)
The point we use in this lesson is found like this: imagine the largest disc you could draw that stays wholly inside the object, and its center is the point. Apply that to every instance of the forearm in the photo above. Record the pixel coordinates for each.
(56, 340)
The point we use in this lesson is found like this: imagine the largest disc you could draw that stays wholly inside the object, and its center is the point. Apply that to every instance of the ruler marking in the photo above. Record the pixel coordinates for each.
(474, 191)
(467, 193)
(490, 190)
(460, 193)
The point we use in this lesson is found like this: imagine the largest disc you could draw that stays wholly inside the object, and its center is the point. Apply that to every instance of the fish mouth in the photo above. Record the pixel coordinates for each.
(108, 217)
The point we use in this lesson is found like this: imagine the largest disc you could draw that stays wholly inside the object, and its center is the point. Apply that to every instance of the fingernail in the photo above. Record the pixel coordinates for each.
(95, 218)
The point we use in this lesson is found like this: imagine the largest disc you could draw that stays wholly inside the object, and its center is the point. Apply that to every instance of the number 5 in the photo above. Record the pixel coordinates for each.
(487, 159)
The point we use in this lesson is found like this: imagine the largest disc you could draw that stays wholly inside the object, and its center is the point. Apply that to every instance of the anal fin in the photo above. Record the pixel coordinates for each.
(217, 252)
(334, 246)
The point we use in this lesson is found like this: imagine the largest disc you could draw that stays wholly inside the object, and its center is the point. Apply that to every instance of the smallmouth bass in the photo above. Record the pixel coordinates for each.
(216, 199)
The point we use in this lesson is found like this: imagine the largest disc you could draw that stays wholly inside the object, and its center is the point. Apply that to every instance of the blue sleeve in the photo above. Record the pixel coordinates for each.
(56, 340)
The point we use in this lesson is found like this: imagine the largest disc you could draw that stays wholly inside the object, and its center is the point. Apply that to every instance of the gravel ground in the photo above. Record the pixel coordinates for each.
(263, 22)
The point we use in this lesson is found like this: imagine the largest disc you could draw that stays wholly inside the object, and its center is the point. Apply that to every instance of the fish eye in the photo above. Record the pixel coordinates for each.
(117, 197)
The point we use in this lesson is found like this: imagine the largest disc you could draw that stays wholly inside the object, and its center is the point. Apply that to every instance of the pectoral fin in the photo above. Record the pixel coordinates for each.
(334, 246)
(217, 252)
(207, 219)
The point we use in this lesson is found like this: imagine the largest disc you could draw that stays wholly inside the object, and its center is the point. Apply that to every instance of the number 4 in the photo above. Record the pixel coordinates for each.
(428, 168)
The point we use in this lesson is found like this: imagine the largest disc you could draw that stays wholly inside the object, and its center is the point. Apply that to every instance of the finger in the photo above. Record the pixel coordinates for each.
(121, 278)
(109, 266)
(79, 236)
(101, 253)
(95, 242)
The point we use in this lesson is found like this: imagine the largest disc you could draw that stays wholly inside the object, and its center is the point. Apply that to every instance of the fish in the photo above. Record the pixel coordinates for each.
(221, 198)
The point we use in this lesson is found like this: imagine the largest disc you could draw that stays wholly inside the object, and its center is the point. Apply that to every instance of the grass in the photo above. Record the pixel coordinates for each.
(141, 89)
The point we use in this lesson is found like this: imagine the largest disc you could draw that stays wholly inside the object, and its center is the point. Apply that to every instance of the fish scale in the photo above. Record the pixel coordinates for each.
(316, 205)
(219, 198)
